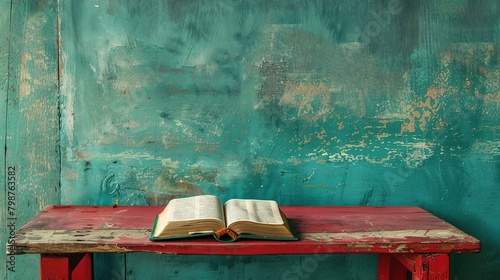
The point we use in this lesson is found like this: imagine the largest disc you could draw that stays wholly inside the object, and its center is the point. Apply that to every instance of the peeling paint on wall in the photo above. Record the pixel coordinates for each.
(348, 102)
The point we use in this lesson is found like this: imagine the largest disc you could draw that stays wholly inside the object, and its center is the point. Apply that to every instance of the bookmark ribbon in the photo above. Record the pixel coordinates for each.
(225, 233)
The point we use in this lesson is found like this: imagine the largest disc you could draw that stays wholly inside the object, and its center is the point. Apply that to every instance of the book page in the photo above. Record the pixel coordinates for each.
(259, 211)
(195, 208)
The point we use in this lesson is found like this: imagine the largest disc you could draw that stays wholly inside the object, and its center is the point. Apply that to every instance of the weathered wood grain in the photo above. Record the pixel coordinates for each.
(321, 230)
(4, 85)
(32, 138)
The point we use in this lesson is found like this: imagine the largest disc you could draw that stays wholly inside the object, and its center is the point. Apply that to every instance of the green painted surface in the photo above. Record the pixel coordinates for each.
(32, 122)
(308, 103)
(4, 55)
(264, 267)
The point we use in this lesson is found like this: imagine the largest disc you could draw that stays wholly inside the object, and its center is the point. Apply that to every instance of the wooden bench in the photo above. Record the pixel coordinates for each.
(405, 238)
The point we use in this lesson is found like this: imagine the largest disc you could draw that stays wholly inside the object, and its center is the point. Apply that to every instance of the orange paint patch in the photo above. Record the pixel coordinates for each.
(306, 96)
(321, 135)
(410, 126)
(492, 98)
(340, 125)
(433, 92)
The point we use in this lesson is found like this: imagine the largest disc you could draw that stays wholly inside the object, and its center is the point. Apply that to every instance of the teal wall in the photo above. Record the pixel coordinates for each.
(30, 115)
(305, 102)
(4, 52)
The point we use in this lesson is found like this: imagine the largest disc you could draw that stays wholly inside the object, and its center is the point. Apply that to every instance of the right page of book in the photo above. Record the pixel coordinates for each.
(258, 211)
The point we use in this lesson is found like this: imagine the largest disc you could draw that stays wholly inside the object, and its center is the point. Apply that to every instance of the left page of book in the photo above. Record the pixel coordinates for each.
(194, 208)
(184, 216)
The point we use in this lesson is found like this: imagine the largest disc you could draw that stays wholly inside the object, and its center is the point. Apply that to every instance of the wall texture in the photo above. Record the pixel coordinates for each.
(384, 102)
(4, 62)
(30, 126)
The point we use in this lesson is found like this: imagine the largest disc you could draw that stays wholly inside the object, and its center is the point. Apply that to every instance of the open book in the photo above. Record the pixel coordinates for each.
(205, 215)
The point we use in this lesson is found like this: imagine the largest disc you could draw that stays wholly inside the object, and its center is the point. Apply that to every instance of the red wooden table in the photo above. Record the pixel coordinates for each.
(405, 238)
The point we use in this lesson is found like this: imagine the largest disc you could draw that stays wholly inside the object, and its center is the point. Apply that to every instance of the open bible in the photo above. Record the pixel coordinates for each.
(206, 215)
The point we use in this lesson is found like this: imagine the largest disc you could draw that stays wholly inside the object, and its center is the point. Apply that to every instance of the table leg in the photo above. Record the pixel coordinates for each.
(390, 268)
(66, 267)
(426, 266)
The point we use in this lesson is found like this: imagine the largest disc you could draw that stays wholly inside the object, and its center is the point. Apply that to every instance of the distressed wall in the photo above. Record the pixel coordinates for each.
(305, 102)
(4, 62)
(30, 122)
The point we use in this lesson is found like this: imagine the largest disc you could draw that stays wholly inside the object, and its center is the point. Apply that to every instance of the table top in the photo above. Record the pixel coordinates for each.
(321, 229)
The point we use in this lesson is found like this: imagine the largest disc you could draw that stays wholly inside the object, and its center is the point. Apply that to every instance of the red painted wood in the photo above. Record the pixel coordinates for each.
(66, 267)
(327, 229)
(54, 267)
(426, 266)
(384, 267)
(432, 267)
(389, 268)
(83, 269)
